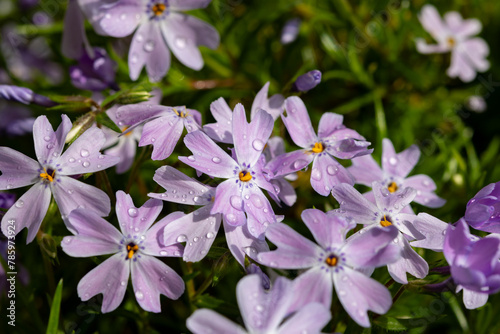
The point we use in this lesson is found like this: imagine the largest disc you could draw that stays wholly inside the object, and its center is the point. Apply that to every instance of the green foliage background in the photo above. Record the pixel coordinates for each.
(372, 74)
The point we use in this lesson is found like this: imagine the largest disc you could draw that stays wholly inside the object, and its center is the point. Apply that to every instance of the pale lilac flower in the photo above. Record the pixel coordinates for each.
(385, 213)
(241, 193)
(163, 126)
(290, 30)
(394, 174)
(222, 130)
(262, 312)
(432, 230)
(94, 72)
(24, 95)
(455, 35)
(74, 40)
(161, 27)
(199, 228)
(474, 262)
(52, 174)
(307, 81)
(333, 263)
(334, 140)
(134, 249)
(483, 210)
(477, 103)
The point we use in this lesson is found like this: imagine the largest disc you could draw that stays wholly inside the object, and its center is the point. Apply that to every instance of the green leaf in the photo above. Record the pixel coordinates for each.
(207, 301)
(55, 309)
(402, 324)
(103, 119)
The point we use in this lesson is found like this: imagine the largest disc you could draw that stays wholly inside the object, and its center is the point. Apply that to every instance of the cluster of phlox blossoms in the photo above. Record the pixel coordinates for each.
(299, 259)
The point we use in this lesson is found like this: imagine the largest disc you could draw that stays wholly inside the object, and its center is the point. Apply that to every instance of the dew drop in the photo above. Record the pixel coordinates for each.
(236, 203)
(149, 46)
(299, 164)
(393, 161)
(191, 158)
(70, 192)
(19, 204)
(133, 58)
(259, 308)
(132, 212)
(86, 164)
(71, 160)
(46, 138)
(316, 174)
(123, 283)
(342, 293)
(196, 239)
(332, 170)
(210, 235)
(231, 218)
(67, 240)
(258, 145)
(84, 153)
(163, 253)
(139, 38)
(182, 238)
(139, 295)
(180, 42)
(216, 160)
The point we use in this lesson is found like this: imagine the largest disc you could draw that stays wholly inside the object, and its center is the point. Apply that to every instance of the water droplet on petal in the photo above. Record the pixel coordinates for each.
(255, 199)
(299, 164)
(46, 138)
(84, 153)
(259, 308)
(182, 238)
(216, 160)
(163, 253)
(316, 174)
(332, 170)
(191, 158)
(149, 46)
(132, 212)
(19, 204)
(210, 235)
(86, 164)
(236, 202)
(258, 145)
(196, 239)
(231, 218)
(180, 42)
(139, 295)
(123, 283)
(393, 161)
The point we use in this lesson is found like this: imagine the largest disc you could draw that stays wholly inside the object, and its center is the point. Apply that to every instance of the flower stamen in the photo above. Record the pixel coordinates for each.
(181, 114)
(245, 176)
(158, 8)
(317, 148)
(331, 260)
(385, 221)
(451, 42)
(131, 249)
(393, 187)
(48, 175)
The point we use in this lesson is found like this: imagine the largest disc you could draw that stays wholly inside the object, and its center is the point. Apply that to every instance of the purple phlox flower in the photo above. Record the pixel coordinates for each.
(483, 210)
(52, 174)
(241, 193)
(199, 228)
(252, 268)
(394, 174)
(334, 140)
(24, 95)
(74, 40)
(28, 60)
(134, 248)
(477, 103)
(384, 213)
(433, 231)
(125, 146)
(275, 147)
(455, 35)
(95, 73)
(163, 126)
(222, 130)
(161, 27)
(474, 262)
(290, 30)
(16, 120)
(307, 81)
(262, 312)
(333, 262)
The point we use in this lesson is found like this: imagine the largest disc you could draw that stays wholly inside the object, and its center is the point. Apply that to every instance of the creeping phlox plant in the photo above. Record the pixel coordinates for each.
(317, 236)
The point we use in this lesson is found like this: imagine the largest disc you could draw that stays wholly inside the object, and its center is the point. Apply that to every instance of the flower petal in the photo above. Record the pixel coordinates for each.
(17, 169)
(399, 164)
(148, 48)
(135, 114)
(250, 138)
(359, 293)
(49, 144)
(328, 229)
(313, 286)
(136, 221)
(259, 211)
(273, 106)
(181, 188)
(290, 162)
(327, 173)
(198, 229)
(432, 22)
(207, 156)
(461, 67)
(163, 133)
(121, 17)
(473, 300)
(298, 123)
(83, 155)
(241, 242)
(154, 242)
(205, 320)
(392, 202)
(433, 231)
(409, 262)
(365, 170)
(309, 319)
(152, 278)
(294, 251)
(329, 123)
(228, 202)
(355, 205)
(28, 211)
(222, 130)
(182, 5)
(71, 194)
(95, 236)
(109, 278)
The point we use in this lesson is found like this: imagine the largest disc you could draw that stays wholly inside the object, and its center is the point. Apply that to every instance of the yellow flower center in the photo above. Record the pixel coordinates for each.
(128, 133)
(386, 221)
(318, 147)
(331, 260)
(181, 114)
(451, 41)
(48, 175)
(245, 176)
(158, 9)
(131, 249)
(393, 187)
